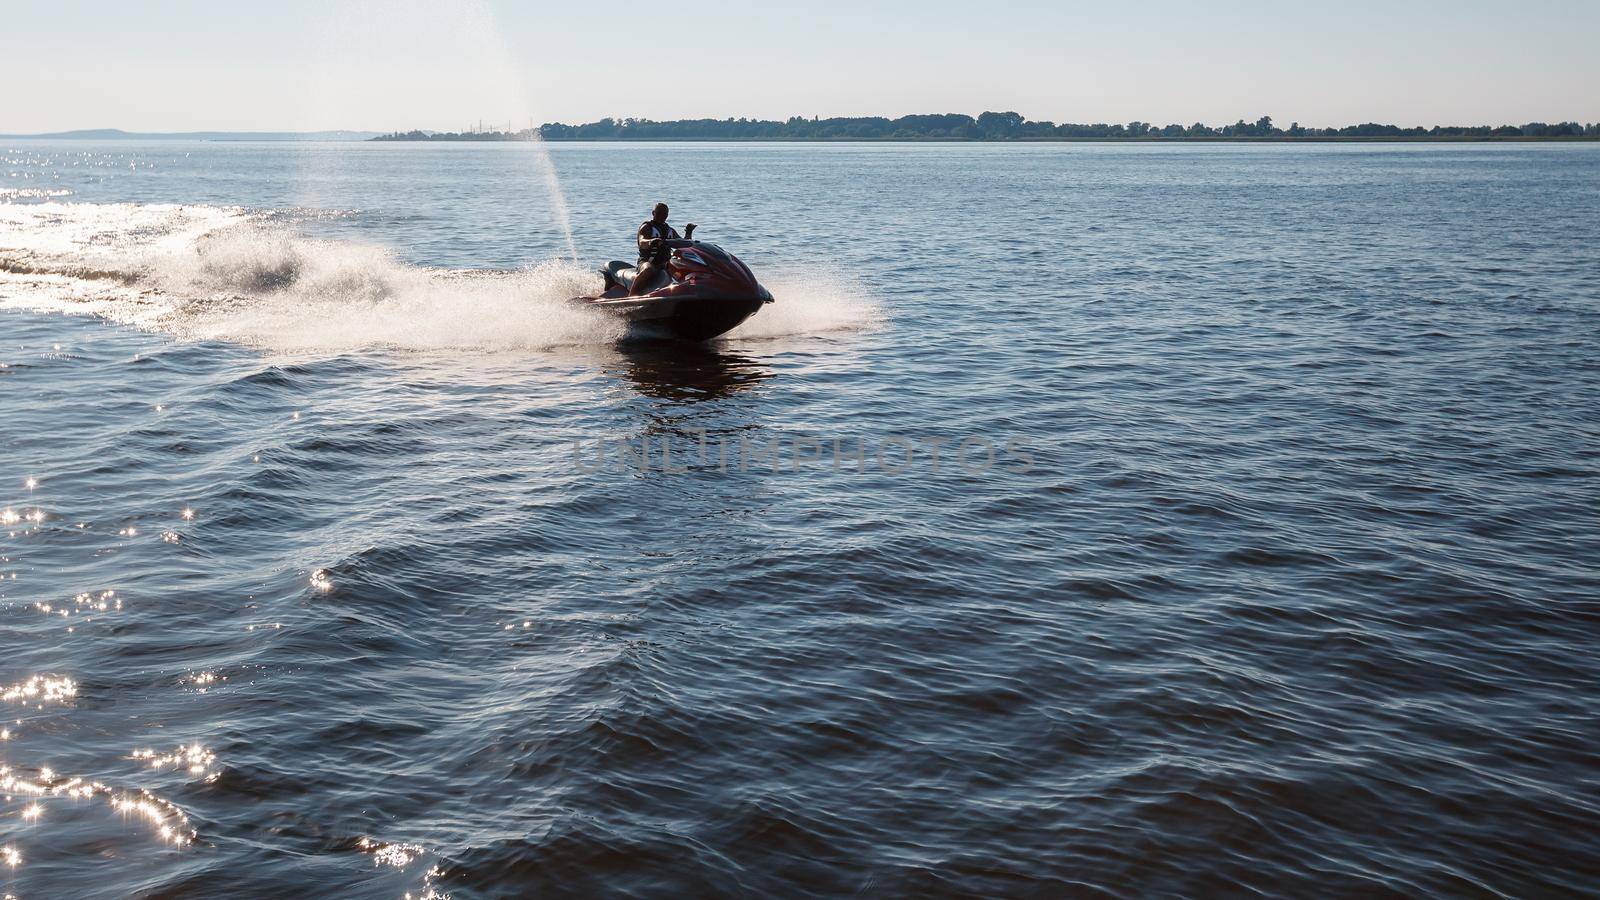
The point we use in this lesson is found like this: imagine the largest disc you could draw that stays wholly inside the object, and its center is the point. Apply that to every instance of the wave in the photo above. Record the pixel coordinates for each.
(234, 274)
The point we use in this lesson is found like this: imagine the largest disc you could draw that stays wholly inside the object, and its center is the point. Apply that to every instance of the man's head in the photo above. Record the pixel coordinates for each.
(659, 214)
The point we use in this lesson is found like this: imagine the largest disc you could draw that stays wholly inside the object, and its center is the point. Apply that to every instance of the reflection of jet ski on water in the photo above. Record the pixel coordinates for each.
(695, 292)
(686, 373)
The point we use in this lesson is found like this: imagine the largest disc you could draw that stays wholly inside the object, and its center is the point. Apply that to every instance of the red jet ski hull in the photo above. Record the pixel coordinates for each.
(707, 292)
(681, 318)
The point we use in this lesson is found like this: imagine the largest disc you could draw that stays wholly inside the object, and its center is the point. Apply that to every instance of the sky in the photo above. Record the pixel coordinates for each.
(166, 65)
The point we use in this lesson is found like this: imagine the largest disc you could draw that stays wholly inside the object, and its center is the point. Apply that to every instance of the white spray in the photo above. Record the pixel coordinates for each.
(202, 272)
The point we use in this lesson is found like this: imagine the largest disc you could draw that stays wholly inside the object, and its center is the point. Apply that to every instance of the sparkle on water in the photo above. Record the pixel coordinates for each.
(194, 759)
(41, 688)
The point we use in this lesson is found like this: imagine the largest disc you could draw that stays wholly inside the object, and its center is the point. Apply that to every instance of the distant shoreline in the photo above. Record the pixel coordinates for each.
(493, 137)
(1408, 139)
(990, 127)
(117, 134)
(944, 128)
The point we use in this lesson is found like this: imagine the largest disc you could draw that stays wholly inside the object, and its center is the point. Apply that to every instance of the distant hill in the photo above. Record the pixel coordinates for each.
(117, 134)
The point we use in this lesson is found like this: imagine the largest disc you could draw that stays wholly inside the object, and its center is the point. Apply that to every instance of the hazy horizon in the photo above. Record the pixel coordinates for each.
(390, 65)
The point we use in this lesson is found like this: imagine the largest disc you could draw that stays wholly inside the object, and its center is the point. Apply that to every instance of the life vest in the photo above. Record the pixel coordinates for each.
(659, 231)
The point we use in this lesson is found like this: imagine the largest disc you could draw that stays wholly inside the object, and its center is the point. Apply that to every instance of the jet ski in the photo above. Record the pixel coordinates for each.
(702, 291)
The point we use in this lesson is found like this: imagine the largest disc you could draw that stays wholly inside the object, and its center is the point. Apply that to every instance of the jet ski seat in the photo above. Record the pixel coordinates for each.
(619, 274)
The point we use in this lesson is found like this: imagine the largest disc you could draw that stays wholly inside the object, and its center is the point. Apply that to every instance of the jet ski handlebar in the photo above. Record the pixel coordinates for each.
(657, 244)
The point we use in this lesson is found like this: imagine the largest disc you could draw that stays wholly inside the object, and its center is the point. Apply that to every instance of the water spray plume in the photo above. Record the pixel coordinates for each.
(470, 28)
(484, 30)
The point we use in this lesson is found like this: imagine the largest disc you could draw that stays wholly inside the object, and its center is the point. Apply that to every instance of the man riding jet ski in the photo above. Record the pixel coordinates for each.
(680, 287)
(653, 250)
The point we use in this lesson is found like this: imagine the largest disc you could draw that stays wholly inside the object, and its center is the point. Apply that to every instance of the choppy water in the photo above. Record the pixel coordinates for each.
(1282, 578)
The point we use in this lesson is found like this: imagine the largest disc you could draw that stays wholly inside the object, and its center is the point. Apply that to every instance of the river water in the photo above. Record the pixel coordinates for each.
(1081, 520)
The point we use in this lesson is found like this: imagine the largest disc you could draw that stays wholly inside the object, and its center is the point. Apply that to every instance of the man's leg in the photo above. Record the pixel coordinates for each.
(641, 277)
(648, 271)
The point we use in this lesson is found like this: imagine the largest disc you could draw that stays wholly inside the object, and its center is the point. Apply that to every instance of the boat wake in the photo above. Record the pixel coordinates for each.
(234, 274)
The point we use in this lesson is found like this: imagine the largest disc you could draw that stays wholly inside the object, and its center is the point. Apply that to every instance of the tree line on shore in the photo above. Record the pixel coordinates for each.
(990, 126)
